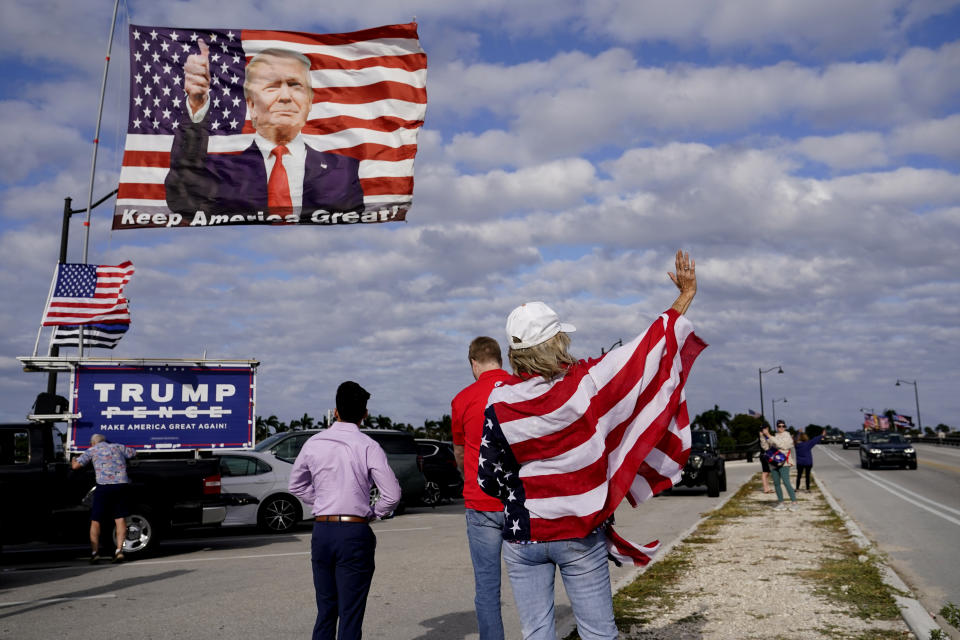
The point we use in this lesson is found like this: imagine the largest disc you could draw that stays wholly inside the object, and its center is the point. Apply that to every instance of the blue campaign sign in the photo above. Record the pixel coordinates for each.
(163, 407)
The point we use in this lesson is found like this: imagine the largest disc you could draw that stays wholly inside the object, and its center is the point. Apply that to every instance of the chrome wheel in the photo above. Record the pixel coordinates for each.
(140, 534)
(431, 494)
(279, 514)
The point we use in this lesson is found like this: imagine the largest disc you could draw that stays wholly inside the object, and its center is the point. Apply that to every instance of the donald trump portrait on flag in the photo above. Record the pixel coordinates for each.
(278, 174)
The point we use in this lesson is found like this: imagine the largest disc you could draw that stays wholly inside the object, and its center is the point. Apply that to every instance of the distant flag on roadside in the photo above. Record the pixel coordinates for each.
(368, 103)
(752, 413)
(104, 336)
(902, 421)
(87, 294)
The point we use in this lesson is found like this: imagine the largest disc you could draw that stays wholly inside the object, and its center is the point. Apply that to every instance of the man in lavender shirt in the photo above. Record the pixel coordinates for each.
(334, 473)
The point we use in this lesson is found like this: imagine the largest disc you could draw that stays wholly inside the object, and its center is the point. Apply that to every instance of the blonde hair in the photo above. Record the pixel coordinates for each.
(547, 359)
(262, 57)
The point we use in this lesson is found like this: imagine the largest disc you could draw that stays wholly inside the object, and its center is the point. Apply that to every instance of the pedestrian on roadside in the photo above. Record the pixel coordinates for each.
(804, 448)
(784, 442)
(111, 497)
(484, 514)
(334, 472)
(564, 441)
(764, 465)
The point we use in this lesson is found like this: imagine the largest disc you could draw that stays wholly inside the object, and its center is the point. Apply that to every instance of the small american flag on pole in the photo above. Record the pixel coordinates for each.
(367, 108)
(562, 454)
(88, 293)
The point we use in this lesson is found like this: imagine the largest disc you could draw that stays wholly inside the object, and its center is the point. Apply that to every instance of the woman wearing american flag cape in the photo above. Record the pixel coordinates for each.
(565, 441)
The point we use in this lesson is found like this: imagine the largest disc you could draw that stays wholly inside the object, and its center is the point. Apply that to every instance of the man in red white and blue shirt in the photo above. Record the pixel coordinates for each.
(565, 441)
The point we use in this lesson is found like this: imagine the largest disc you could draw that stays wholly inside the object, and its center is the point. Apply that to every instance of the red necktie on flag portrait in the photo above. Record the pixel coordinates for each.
(278, 187)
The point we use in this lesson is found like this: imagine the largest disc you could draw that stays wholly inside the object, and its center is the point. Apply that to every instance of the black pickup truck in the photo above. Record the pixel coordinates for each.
(42, 498)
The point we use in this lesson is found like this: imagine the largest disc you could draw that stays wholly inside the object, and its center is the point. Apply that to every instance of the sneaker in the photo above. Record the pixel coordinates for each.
(793, 506)
(94, 558)
(118, 556)
(780, 507)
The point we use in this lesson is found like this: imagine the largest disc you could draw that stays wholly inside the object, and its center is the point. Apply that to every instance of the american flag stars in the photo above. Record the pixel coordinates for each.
(157, 100)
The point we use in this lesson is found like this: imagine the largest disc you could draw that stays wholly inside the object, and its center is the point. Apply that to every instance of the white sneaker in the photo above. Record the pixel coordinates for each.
(793, 506)
(780, 507)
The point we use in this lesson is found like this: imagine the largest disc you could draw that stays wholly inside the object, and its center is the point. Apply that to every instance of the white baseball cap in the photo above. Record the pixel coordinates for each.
(533, 323)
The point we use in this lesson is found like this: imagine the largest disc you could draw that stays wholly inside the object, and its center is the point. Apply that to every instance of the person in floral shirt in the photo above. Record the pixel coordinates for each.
(112, 495)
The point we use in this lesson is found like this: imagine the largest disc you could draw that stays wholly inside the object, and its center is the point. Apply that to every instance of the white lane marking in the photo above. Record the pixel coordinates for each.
(52, 600)
(896, 490)
(141, 563)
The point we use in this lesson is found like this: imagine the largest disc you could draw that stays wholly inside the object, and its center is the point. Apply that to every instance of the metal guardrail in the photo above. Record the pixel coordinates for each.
(741, 451)
(952, 441)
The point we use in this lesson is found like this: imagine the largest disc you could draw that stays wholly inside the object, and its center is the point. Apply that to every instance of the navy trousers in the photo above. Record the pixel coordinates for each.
(342, 559)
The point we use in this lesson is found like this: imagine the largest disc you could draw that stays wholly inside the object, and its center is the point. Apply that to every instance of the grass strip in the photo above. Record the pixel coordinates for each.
(847, 576)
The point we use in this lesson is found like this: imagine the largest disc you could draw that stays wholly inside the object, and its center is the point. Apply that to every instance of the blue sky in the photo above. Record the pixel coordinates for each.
(806, 154)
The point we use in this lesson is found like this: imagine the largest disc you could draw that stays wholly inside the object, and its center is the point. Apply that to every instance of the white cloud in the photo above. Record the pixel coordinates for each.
(846, 151)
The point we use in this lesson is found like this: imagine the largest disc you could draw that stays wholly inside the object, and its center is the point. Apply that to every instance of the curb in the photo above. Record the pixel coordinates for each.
(920, 622)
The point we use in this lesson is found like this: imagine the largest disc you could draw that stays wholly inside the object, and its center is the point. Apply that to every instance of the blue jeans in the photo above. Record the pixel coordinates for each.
(485, 535)
(783, 474)
(586, 578)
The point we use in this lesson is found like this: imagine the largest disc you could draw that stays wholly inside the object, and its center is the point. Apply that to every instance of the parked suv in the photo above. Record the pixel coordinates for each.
(705, 465)
(400, 447)
(444, 481)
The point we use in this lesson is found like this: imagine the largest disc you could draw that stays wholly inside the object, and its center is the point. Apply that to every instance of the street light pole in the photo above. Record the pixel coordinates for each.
(618, 343)
(916, 397)
(774, 405)
(64, 234)
(761, 372)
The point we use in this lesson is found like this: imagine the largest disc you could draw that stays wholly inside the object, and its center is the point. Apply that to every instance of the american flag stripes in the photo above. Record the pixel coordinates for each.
(104, 336)
(89, 293)
(562, 454)
(369, 101)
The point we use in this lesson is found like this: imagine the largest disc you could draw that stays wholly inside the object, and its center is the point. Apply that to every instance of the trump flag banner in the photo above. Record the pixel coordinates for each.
(240, 126)
(87, 294)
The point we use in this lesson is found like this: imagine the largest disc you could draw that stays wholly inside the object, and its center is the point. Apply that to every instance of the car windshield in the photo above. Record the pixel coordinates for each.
(264, 445)
(700, 438)
(885, 437)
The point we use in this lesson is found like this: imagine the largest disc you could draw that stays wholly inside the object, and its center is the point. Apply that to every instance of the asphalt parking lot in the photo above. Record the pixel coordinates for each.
(244, 584)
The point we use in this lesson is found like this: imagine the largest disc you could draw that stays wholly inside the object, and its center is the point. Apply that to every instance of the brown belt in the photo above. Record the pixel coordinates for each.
(340, 519)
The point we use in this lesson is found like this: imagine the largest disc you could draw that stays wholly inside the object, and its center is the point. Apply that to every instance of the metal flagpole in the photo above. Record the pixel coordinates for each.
(53, 283)
(96, 146)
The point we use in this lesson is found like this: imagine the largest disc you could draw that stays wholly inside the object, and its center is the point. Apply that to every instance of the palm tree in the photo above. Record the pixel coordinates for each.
(715, 419)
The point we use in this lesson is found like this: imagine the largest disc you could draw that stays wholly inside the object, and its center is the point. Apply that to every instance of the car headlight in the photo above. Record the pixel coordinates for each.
(875, 452)
(695, 461)
(910, 450)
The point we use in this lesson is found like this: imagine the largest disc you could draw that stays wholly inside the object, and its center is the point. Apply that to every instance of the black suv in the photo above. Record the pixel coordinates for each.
(884, 448)
(705, 465)
(444, 481)
(400, 447)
